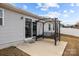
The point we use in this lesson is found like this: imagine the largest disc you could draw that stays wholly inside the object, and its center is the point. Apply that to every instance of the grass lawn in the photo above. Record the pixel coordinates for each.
(12, 51)
(72, 48)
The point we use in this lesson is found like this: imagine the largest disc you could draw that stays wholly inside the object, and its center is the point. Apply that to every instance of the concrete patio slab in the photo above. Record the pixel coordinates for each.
(43, 48)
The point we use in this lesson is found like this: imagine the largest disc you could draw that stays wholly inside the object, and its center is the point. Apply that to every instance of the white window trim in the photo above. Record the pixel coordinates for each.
(2, 17)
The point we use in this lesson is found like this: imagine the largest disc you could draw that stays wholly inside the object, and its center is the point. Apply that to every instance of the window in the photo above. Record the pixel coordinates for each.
(1, 17)
(49, 27)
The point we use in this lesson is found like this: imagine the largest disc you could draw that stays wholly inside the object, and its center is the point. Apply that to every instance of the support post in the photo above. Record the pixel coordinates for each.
(59, 30)
(55, 33)
(43, 31)
(36, 31)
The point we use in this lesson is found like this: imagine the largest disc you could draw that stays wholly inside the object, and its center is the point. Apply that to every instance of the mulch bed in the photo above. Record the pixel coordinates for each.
(12, 51)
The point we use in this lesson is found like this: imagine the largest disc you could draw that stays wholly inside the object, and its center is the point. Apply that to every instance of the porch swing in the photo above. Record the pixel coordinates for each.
(55, 34)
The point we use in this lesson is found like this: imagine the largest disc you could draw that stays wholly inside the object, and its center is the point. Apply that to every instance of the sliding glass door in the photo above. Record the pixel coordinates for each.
(34, 28)
(28, 24)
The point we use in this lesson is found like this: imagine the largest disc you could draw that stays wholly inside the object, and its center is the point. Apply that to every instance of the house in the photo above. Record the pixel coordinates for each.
(12, 24)
(17, 25)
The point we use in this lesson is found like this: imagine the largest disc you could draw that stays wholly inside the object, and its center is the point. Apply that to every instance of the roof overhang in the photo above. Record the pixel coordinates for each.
(18, 10)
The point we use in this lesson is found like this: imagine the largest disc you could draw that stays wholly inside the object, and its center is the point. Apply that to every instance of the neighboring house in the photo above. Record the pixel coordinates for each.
(76, 25)
(17, 25)
(67, 26)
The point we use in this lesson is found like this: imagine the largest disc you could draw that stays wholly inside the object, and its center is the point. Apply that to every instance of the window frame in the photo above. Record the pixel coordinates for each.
(2, 17)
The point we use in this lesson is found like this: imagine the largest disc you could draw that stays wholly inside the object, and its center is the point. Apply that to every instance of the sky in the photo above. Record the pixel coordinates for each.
(67, 13)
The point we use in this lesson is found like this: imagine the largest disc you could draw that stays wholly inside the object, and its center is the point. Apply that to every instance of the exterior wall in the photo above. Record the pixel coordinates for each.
(13, 29)
(39, 28)
(46, 27)
(48, 32)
